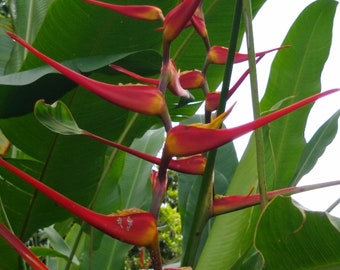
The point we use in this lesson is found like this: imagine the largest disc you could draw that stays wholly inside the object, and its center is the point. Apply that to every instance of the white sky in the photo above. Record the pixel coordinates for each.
(270, 27)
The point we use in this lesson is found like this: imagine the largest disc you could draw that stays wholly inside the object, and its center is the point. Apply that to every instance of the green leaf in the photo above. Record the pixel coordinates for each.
(58, 244)
(6, 46)
(291, 75)
(316, 147)
(291, 238)
(97, 32)
(296, 72)
(232, 233)
(27, 17)
(57, 117)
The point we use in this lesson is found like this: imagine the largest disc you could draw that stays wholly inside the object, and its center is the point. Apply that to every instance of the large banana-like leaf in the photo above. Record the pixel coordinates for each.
(296, 72)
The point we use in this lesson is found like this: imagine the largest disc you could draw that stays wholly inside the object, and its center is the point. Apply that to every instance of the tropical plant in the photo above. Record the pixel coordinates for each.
(89, 96)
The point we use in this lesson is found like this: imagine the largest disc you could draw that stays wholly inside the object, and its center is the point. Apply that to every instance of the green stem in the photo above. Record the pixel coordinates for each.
(260, 153)
(335, 204)
(203, 208)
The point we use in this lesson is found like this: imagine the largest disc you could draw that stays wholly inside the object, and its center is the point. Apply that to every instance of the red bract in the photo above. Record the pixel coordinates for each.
(138, 98)
(191, 79)
(198, 22)
(190, 140)
(211, 101)
(170, 79)
(132, 226)
(177, 18)
(218, 55)
(190, 165)
(142, 12)
(24, 251)
(227, 204)
(188, 79)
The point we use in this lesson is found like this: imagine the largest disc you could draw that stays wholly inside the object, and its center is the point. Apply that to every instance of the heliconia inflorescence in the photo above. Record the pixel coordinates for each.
(185, 146)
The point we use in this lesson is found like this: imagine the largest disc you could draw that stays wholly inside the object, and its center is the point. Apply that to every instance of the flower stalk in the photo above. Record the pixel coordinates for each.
(259, 142)
(203, 208)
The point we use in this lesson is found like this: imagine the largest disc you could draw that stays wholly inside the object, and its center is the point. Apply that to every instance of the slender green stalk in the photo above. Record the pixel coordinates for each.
(203, 208)
(260, 153)
(335, 204)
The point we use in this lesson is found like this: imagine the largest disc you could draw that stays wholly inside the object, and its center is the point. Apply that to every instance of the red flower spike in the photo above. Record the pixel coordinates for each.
(218, 55)
(142, 12)
(138, 98)
(132, 226)
(227, 204)
(170, 79)
(189, 165)
(23, 250)
(177, 18)
(190, 140)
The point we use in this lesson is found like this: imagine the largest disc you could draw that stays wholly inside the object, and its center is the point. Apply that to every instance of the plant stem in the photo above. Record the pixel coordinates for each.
(203, 208)
(260, 153)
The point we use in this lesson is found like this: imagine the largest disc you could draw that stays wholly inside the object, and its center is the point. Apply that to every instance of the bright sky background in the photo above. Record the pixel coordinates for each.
(270, 27)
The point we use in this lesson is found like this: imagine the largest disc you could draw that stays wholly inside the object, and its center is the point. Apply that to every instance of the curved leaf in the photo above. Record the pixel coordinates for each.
(289, 237)
(56, 117)
(316, 147)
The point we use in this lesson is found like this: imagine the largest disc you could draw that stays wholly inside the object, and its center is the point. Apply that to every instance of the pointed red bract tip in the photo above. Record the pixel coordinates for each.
(132, 226)
(191, 140)
(219, 54)
(176, 20)
(170, 79)
(142, 12)
(143, 99)
(212, 100)
(22, 249)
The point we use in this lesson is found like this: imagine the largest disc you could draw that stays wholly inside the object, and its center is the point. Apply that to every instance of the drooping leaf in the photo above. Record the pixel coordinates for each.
(57, 117)
(289, 237)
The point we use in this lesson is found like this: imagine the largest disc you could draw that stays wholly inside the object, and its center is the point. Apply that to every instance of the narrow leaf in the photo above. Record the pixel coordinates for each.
(316, 147)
